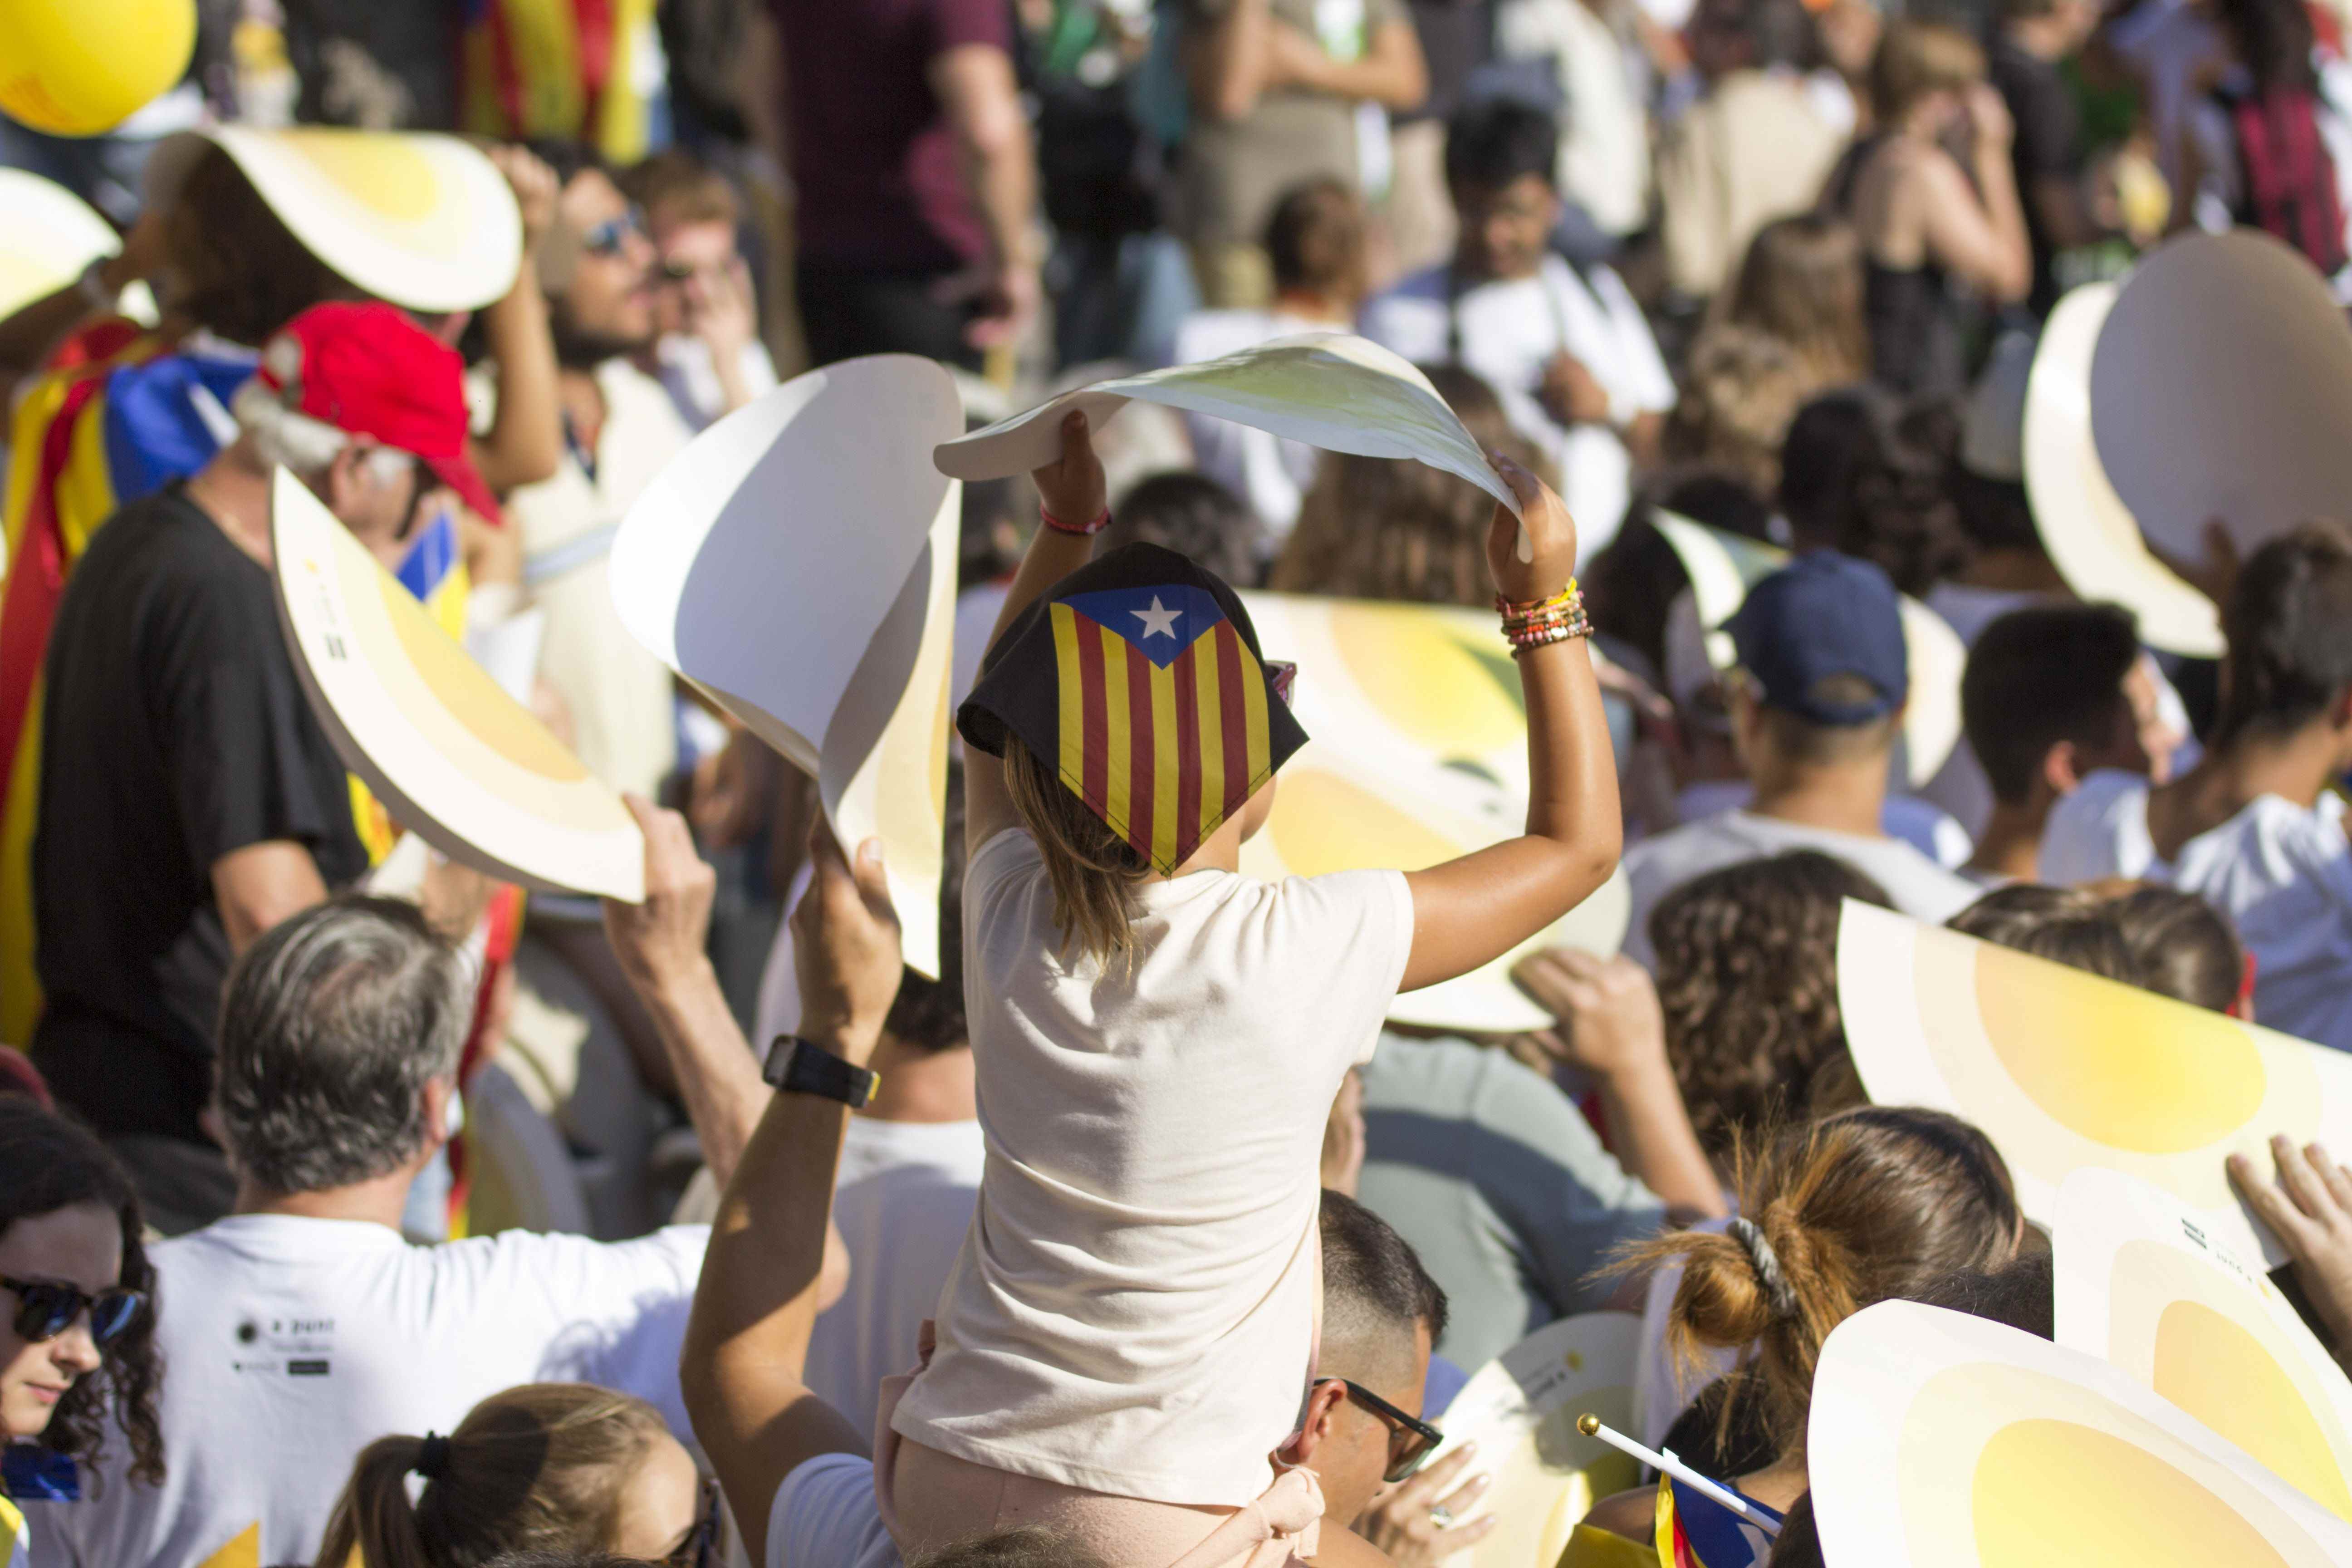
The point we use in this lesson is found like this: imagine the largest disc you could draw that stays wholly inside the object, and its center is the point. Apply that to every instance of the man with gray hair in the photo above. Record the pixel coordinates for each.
(303, 1327)
(188, 799)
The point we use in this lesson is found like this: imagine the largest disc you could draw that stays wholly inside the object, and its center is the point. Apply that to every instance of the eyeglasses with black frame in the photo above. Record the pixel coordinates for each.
(1411, 1439)
(700, 1547)
(47, 1308)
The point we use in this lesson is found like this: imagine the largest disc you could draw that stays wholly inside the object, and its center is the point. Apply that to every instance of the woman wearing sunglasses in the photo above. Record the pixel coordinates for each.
(547, 1467)
(77, 1333)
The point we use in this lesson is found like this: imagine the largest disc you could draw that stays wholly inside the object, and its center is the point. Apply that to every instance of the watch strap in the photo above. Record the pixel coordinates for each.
(796, 1065)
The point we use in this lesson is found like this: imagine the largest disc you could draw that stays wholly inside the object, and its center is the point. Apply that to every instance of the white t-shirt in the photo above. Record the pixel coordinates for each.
(1509, 332)
(689, 373)
(1133, 1308)
(2282, 874)
(1656, 867)
(1260, 467)
(293, 1343)
(826, 1516)
(902, 1203)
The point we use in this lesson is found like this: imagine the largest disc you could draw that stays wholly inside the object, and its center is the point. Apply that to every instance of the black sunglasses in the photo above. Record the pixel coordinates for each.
(47, 1308)
(700, 1547)
(606, 239)
(1411, 1438)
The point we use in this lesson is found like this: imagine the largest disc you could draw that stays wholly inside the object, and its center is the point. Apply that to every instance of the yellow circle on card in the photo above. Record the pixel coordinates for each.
(2219, 1374)
(467, 694)
(1322, 823)
(1425, 679)
(2119, 1066)
(2058, 1494)
(386, 174)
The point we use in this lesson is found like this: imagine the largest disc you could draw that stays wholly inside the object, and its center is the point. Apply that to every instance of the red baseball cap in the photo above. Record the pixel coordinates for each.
(369, 370)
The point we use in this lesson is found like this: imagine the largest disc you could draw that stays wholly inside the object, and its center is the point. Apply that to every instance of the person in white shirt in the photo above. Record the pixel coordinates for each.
(1314, 242)
(1566, 347)
(303, 1327)
(2255, 825)
(795, 1469)
(1816, 705)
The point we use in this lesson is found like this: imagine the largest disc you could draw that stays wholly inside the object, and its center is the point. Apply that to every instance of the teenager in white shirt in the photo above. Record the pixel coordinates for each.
(303, 1327)
(1566, 347)
(2254, 825)
(795, 1469)
(1816, 704)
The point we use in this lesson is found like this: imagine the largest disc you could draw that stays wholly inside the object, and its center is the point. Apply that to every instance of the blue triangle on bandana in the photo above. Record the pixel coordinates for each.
(1159, 622)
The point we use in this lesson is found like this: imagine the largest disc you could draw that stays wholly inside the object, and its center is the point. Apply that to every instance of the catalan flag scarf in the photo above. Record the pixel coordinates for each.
(1139, 676)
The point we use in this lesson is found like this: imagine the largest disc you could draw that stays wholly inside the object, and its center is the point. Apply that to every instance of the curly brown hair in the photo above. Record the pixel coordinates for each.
(1747, 978)
(47, 1164)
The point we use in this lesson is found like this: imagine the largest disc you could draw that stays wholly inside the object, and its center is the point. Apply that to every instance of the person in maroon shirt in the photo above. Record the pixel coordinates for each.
(901, 124)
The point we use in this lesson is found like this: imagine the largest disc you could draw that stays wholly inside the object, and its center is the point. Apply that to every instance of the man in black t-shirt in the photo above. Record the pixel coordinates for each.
(189, 800)
(2052, 174)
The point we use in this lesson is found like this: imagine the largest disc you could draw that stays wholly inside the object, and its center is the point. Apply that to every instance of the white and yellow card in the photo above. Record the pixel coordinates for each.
(2065, 1070)
(1939, 1440)
(1416, 755)
(1521, 1410)
(429, 731)
(2142, 1285)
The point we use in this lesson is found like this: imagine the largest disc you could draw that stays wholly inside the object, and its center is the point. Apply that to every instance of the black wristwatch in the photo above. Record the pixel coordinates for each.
(802, 1066)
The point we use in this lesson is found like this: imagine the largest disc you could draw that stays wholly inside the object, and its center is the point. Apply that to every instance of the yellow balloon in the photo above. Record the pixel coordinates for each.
(79, 67)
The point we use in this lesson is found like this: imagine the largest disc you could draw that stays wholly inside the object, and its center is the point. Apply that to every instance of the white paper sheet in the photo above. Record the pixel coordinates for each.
(796, 562)
(1938, 1440)
(2065, 1069)
(2142, 1286)
(429, 730)
(2091, 535)
(2221, 387)
(1520, 1409)
(1331, 390)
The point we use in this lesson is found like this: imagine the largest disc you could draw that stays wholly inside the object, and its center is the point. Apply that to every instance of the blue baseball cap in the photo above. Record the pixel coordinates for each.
(1825, 615)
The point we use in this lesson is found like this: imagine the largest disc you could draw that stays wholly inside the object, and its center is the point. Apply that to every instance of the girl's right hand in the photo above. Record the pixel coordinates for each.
(1072, 488)
(1549, 527)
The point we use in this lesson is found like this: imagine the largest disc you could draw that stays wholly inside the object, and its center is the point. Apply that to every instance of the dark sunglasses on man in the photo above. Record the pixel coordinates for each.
(47, 1308)
(1411, 1439)
(606, 239)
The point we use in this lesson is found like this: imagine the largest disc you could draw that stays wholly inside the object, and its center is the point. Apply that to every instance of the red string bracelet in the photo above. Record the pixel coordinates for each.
(1101, 521)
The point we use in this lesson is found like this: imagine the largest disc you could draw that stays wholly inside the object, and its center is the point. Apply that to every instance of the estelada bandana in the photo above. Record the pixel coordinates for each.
(1138, 677)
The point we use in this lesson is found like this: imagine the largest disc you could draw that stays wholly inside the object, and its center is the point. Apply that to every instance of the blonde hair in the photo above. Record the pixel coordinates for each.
(1915, 59)
(537, 1468)
(1868, 1205)
(1093, 870)
(1802, 281)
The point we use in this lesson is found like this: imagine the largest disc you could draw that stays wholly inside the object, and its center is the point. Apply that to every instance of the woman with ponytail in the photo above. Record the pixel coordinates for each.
(561, 1468)
(1873, 1205)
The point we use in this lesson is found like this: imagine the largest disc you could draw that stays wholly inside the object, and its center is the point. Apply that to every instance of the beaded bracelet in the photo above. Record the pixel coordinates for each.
(1542, 622)
(1101, 521)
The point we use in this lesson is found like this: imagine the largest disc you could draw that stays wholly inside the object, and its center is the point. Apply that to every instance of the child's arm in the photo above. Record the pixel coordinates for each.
(1073, 489)
(1472, 910)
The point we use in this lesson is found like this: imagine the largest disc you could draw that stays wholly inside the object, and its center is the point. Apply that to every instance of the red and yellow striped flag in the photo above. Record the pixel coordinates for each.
(1163, 730)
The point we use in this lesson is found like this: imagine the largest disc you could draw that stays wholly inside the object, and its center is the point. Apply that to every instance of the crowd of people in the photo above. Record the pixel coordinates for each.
(357, 1207)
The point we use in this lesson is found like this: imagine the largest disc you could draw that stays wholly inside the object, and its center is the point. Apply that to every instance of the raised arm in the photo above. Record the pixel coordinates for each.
(1075, 491)
(660, 944)
(744, 1362)
(525, 441)
(1473, 911)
